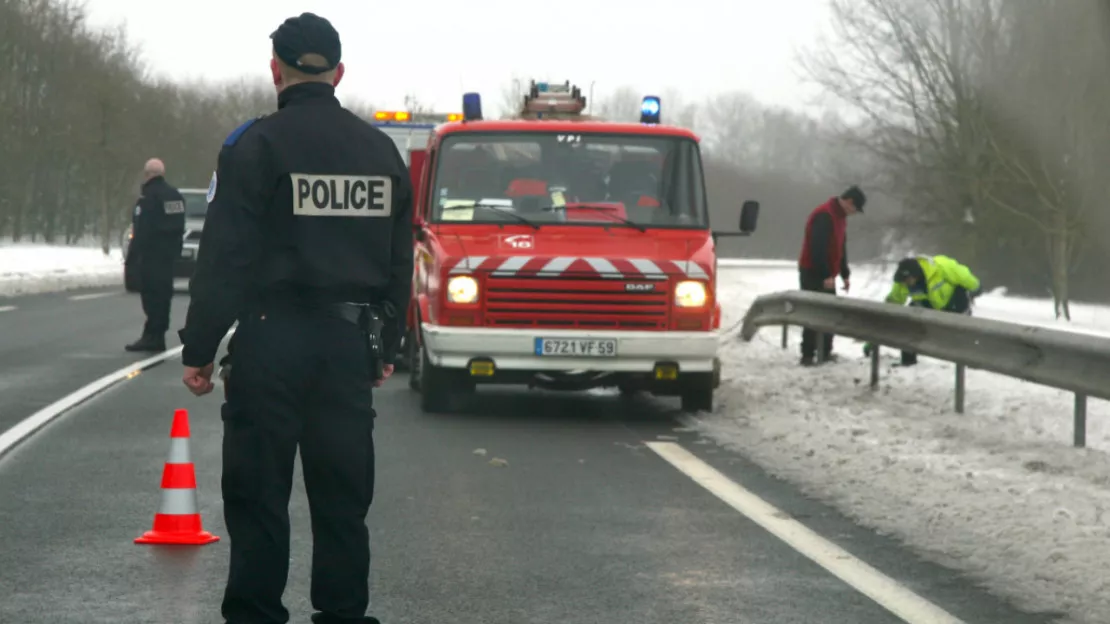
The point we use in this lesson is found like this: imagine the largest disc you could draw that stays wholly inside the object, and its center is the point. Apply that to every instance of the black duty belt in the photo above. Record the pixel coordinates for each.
(355, 313)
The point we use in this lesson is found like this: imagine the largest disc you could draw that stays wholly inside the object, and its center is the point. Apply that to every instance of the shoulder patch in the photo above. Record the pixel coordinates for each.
(233, 138)
(211, 188)
(138, 210)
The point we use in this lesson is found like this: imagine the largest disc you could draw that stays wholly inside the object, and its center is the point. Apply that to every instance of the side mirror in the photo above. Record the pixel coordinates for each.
(749, 216)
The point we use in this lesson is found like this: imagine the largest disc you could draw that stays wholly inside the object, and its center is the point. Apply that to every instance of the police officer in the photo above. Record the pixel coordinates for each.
(159, 227)
(935, 282)
(308, 244)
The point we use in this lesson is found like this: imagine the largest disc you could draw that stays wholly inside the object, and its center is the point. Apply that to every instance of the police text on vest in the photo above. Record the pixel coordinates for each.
(341, 195)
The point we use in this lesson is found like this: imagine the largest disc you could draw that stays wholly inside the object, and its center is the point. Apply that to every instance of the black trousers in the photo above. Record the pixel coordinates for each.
(302, 379)
(156, 271)
(960, 303)
(814, 281)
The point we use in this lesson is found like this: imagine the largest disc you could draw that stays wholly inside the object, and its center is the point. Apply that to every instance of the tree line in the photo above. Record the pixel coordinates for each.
(79, 115)
(976, 126)
(987, 120)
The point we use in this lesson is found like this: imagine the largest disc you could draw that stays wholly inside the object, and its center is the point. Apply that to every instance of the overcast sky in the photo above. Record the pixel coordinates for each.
(437, 49)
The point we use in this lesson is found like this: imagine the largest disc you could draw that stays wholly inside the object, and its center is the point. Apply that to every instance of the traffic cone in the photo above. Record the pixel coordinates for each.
(178, 521)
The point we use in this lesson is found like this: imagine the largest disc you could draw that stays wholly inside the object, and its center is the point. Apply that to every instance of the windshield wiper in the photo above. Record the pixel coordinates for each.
(602, 208)
(498, 208)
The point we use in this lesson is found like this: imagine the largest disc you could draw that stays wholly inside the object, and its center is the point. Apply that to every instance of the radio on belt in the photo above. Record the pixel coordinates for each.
(341, 195)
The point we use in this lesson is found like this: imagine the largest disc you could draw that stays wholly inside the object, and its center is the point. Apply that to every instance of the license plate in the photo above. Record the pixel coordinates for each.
(186, 253)
(576, 347)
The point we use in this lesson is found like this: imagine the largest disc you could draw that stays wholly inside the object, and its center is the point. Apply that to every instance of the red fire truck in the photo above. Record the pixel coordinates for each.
(559, 251)
(410, 132)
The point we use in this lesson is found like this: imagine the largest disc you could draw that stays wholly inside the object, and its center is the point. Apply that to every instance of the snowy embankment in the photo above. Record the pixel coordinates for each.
(998, 491)
(36, 268)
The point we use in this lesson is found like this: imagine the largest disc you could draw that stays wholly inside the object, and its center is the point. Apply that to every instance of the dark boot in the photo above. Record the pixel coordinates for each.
(908, 358)
(148, 343)
(807, 360)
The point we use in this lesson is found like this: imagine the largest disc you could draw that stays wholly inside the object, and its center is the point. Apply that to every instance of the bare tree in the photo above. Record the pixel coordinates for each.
(79, 114)
(623, 104)
(978, 115)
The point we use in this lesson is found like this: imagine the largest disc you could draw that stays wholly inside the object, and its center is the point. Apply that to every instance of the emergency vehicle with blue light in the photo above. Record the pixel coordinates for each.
(410, 132)
(560, 251)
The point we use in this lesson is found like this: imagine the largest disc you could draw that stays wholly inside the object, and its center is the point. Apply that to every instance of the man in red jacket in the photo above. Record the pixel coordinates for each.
(824, 255)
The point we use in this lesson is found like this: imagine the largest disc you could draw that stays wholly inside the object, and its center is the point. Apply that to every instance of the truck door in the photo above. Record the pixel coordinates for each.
(423, 261)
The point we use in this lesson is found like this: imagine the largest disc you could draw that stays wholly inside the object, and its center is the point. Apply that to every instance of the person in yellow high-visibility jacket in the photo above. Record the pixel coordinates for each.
(936, 282)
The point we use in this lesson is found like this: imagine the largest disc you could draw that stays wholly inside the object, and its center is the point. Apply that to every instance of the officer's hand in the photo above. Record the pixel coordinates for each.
(199, 380)
(847, 285)
(387, 370)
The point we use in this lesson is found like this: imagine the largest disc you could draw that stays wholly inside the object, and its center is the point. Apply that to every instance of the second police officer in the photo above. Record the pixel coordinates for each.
(308, 244)
(158, 227)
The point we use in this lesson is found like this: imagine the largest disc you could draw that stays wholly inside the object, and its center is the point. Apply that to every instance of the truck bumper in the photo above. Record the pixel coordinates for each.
(514, 349)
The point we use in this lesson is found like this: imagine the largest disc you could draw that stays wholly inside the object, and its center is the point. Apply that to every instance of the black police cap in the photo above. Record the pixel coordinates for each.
(307, 33)
(907, 268)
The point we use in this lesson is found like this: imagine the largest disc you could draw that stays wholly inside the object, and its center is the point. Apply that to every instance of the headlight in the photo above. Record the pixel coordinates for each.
(690, 294)
(462, 289)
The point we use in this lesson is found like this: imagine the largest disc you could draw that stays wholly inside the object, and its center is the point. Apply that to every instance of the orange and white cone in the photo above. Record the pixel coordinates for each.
(178, 521)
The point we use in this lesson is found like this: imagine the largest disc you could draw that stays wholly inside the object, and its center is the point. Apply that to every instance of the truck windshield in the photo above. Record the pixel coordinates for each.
(570, 179)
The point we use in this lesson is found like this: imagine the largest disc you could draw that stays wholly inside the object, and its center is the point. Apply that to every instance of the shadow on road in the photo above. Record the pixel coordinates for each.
(511, 403)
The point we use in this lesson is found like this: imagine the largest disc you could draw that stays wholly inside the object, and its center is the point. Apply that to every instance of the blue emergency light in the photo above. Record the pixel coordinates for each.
(649, 110)
(472, 107)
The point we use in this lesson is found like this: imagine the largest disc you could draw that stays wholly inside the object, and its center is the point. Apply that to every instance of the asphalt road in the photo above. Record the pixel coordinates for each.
(53, 344)
(583, 524)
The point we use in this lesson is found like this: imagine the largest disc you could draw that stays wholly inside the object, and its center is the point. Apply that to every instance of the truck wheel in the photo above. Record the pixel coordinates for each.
(412, 358)
(435, 386)
(697, 395)
(404, 358)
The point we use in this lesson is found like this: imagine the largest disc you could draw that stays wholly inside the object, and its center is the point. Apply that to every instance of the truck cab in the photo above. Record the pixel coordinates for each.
(562, 252)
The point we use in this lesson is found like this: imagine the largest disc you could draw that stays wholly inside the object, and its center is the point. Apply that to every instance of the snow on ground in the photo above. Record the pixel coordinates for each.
(998, 491)
(37, 268)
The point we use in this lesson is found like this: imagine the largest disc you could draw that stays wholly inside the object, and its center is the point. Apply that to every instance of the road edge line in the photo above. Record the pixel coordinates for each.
(882, 589)
(32, 424)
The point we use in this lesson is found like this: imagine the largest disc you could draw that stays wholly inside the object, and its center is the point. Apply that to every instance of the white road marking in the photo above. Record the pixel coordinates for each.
(884, 590)
(88, 296)
(24, 428)
(33, 423)
(6, 308)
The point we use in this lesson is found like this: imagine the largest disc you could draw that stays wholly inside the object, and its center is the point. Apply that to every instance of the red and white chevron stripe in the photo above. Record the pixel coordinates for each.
(546, 266)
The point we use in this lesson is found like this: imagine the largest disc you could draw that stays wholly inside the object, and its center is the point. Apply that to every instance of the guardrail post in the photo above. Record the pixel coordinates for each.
(874, 366)
(785, 330)
(961, 381)
(1080, 434)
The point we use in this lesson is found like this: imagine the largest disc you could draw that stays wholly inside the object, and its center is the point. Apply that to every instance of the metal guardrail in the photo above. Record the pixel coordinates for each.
(1078, 363)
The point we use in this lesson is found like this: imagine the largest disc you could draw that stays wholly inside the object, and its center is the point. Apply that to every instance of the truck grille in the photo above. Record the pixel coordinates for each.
(574, 302)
